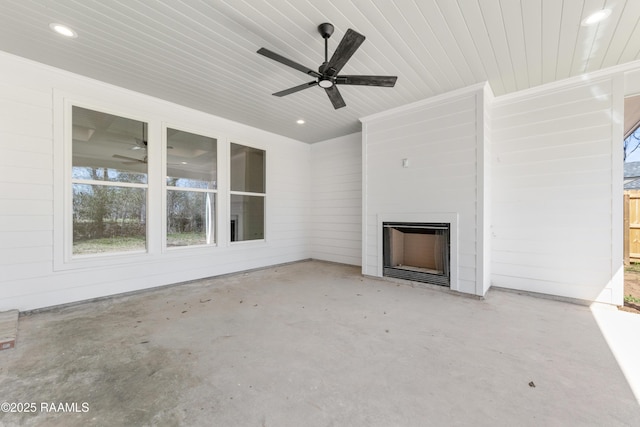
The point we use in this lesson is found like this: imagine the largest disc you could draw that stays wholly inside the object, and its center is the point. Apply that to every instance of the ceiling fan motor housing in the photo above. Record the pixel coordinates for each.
(325, 30)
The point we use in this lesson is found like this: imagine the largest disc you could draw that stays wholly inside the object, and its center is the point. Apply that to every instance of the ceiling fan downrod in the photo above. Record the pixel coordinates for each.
(325, 30)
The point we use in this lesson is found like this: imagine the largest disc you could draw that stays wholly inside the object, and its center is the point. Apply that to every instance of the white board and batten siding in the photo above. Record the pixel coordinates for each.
(556, 190)
(442, 139)
(32, 275)
(336, 209)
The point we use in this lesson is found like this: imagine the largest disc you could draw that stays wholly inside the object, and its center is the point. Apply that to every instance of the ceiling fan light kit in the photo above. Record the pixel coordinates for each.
(327, 75)
(325, 82)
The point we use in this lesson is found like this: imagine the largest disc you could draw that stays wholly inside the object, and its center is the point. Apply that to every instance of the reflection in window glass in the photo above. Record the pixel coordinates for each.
(191, 160)
(109, 179)
(190, 219)
(247, 169)
(247, 217)
(105, 174)
(191, 188)
(108, 147)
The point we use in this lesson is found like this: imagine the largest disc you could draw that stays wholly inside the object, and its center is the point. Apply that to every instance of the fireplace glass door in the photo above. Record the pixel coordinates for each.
(417, 251)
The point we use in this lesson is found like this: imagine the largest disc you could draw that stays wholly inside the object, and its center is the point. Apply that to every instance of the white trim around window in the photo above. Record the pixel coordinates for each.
(63, 185)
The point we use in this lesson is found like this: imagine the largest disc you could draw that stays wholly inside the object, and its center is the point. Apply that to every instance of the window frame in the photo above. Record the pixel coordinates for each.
(157, 123)
(166, 188)
(63, 257)
(231, 193)
(108, 184)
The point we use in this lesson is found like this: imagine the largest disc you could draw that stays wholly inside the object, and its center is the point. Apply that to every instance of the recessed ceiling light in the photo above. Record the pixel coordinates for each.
(300, 122)
(63, 30)
(596, 17)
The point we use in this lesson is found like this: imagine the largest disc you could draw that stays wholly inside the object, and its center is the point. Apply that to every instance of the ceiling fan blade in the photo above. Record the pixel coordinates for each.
(281, 59)
(386, 81)
(347, 47)
(141, 143)
(132, 159)
(295, 89)
(335, 97)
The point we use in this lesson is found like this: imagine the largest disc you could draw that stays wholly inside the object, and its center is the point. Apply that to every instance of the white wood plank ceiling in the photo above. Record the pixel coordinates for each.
(202, 53)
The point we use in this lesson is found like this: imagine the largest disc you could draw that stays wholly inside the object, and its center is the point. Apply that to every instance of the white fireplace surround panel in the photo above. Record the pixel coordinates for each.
(427, 217)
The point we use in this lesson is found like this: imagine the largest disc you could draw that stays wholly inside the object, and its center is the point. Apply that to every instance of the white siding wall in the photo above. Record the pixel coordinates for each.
(632, 83)
(544, 168)
(557, 162)
(442, 138)
(336, 187)
(485, 184)
(30, 181)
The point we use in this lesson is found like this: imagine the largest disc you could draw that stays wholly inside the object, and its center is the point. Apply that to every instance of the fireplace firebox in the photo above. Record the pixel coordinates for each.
(417, 251)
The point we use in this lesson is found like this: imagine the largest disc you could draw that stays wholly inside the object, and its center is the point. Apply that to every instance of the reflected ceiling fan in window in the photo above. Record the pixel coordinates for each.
(141, 144)
(327, 76)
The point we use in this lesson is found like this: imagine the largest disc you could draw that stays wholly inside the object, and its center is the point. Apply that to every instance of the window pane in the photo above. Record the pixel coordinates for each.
(247, 169)
(190, 218)
(108, 148)
(108, 219)
(247, 217)
(191, 160)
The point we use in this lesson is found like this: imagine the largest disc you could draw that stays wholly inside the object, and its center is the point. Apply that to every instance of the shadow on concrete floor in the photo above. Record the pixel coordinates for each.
(316, 344)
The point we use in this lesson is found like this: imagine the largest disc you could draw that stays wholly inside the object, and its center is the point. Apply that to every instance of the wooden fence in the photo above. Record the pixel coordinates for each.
(631, 226)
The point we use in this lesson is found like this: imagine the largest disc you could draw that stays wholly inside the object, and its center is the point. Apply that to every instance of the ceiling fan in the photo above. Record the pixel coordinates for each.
(141, 144)
(327, 76)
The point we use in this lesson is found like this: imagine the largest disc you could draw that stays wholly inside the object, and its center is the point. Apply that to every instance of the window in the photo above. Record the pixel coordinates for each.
(191, 189)
(126, 193)
(109, 183)
(247, 193)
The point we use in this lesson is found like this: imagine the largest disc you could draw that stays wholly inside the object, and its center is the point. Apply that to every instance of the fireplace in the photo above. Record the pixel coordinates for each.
(417, 251)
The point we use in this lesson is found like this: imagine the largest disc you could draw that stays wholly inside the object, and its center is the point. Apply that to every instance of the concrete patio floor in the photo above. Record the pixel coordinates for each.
(315, 344)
